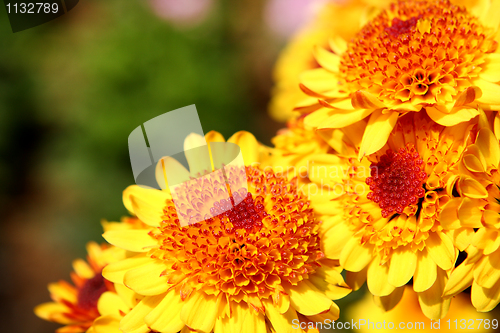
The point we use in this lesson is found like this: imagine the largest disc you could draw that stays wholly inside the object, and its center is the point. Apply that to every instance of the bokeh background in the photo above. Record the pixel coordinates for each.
(73, 89)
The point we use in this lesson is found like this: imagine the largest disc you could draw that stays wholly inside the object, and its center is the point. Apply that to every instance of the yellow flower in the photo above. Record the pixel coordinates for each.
(298, 57)
(76, 306)
(407, 316)
(416, 56)
(254, 267)
(478, 207)
(381, 216)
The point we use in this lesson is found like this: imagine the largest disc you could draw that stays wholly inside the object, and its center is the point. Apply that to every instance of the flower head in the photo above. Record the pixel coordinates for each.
(478, 206)
(297, 57)
(382, 215)
(419, 55)
(254, 263)
(76, 305)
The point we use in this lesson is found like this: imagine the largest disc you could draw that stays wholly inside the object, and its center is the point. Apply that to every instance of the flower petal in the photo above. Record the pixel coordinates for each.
(377, 277)
(147, 279)
(402, 267)
(307, 299)
(456, 116)
(388, 302)
(248, 145)
(485, 299)
(137, 240)
(460, 279)
(245, 320)
(133, 322)
(111, 304)
(115, 272)
(425, 273)
(355, 256)
(491, 68)
(491, 92)
(165, 317)
(280, 322)
(201, 303)
(377, 132)
(441, 249)
(156, 198)
(431, 302)
(469, 213)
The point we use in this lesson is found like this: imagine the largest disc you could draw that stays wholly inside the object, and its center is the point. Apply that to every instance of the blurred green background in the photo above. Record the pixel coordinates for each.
(73, 89)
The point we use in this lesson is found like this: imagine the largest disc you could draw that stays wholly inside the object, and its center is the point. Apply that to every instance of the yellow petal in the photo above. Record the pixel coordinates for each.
(356, 279)
(432, 304)
(110, 303)
(307, 299)
(280, 322)
(156, 198)
(486, 239)
(388, 302)
(354, 256)
(83, 269)
(169, 171)
(131, 240)
(248, 145)
(491, 68)
(146, 280)
(456, 116)
(441, 250)
(491, 92)
(327, 59)
(63, 290)
(467, 96)
(377, 132)
(471, 188)
(166, 316)
(377, 277)
(245, 320)
(488, 145)
(330, 282)
(469, 213)
(449, 214)
(485, 299)
(335, 240)
(201, 303)
(106, 324)
(462, 237)
(53, 312)
(425, 273)
(214, 136)
(133, 322)
(115, 272)
(365, 100)
(327, 118)
(460, 279)
(402, 266)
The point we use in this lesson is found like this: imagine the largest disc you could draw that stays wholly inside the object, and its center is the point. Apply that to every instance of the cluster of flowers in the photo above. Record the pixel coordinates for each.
(412, 96)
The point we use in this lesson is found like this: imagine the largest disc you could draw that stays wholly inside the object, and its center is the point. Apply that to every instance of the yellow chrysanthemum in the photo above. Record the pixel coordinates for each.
(254, 267)
(76, 306)
(419, 55)
(381, 216)
(478, 207)
(407, 316)
(298, 57)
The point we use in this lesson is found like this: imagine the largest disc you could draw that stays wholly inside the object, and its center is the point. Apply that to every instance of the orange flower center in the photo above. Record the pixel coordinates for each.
(396, 180)
(248, 250)
(418, 51)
